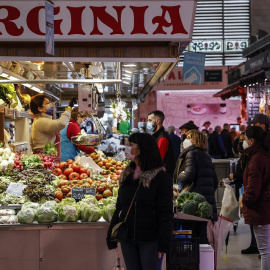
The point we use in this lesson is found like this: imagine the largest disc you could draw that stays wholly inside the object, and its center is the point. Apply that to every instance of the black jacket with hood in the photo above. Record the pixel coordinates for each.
(151, 216)
(195, 169)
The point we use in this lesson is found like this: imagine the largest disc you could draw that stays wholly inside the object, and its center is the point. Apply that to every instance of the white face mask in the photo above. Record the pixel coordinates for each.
(245, 144)
(187, 143)
(150, 127)
(128, 153)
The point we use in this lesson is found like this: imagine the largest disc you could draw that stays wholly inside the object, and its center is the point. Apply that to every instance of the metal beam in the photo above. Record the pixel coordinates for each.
(48, 81)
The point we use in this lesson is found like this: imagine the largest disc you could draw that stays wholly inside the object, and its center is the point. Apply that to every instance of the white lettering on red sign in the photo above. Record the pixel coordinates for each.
(92, 20)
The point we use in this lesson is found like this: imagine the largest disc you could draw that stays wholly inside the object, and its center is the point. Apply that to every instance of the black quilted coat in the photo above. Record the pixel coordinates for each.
(195, 169)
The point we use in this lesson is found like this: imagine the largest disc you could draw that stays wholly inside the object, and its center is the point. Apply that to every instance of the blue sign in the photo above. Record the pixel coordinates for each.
(193, 68)
(49, 18)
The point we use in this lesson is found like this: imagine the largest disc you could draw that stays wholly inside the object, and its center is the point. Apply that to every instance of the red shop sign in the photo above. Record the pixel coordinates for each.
(99, 20)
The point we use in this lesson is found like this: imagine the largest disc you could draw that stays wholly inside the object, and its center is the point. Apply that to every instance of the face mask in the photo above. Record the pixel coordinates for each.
(150, 127)
(187, 143)
(245, 144)
(49, 111)
(128, 153)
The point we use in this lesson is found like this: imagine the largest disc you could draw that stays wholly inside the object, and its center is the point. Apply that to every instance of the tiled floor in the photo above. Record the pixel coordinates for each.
(233, 259)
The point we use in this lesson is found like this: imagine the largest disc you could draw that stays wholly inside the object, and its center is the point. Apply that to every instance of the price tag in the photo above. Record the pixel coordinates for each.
(16, 189)
(78, 193)
(120, 157)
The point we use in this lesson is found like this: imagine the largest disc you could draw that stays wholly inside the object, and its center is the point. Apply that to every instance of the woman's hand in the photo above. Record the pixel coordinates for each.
(231, 176)
(160, 255)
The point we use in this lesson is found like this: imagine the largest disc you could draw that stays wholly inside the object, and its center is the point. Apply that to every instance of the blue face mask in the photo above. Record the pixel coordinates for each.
(50, 111)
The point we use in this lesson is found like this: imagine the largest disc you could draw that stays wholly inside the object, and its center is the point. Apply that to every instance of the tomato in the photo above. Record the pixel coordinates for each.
(59, 194)
(99, 196)
(83, 175)
(69, 194)
(118, 163)
(69, 161)
(57, 171)
(73, 176)
(65, 189)
(63, 183)
(75, 167)
(88, 172)
(68, 171)
(118, 172)
(92, 154)
(101, 188)
(114, 177)
(82, 170)
(108, 165)
(107, 193)
(113, 162)
(62, 176)
(62, 165)
(118, 177)
(100, 164)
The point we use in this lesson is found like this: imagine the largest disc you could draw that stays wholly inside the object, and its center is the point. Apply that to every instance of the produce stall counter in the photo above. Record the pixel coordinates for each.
(58, 245)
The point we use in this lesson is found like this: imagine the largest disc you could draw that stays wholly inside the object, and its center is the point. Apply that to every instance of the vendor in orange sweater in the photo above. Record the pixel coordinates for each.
(68, 149)
(155, 126)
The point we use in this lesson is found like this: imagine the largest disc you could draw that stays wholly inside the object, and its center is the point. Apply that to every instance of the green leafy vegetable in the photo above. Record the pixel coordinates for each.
(47, 212)
(31, 161)
(49, 148)
(8, 95)
(204, 210)
(190, 208)
(90, 212)
(26, 215)
(107, 211)
(68, 210)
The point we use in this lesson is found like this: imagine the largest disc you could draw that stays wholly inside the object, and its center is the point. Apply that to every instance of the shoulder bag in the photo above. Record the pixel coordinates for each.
(120, 230)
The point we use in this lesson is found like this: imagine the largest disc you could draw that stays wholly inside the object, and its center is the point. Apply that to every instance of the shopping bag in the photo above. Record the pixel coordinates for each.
(118, 263)
(229, 204)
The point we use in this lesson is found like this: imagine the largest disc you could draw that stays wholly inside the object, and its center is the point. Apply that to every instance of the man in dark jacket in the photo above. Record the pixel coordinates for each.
(155, 124)
(227, 140)
(216, 147)
(176, 141)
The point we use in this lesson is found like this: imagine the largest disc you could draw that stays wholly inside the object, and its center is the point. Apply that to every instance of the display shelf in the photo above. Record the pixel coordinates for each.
(13, 114)
(11, 206)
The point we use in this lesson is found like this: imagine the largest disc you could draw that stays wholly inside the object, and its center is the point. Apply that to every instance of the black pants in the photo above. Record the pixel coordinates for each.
(253, 239)
(140, 255)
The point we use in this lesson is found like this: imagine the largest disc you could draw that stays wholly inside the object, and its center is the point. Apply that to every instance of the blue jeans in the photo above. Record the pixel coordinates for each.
(262, 234)
(140, 255)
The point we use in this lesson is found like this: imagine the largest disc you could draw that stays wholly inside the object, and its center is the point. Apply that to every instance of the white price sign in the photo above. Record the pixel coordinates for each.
(16, 189)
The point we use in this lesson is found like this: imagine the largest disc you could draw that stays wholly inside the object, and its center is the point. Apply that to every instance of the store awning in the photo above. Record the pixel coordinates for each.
(232, 90)
(253, 79)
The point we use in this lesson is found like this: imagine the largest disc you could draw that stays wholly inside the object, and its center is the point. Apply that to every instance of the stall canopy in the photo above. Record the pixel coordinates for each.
(231, 91)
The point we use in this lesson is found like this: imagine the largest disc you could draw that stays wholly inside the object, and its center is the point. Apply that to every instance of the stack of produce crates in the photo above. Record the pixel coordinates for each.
(184, 252)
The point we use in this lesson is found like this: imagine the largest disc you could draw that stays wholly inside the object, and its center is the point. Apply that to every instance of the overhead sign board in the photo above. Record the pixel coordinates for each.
(193, 68)
(174, 81)
(99, 20)
(49, 20)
